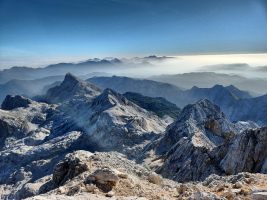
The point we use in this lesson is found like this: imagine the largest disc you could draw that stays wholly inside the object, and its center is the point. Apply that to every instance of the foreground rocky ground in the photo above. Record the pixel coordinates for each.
(83, 175)
(79, 142)
(123, 179)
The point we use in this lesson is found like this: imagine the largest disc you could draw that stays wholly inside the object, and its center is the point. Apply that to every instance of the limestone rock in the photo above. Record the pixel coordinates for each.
(247, 152)
(72, 165)
(104, 178)
(259, 196)
(12, 102)
(198, 143)
(155, 178)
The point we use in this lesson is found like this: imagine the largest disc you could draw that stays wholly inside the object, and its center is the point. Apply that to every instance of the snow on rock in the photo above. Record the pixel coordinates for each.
(195, 144)
(70, 88)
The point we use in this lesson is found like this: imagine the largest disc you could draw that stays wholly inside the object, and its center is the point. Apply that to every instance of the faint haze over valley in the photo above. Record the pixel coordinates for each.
(248, 65)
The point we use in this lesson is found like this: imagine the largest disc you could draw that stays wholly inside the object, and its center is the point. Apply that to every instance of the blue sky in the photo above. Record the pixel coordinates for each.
(43, 31)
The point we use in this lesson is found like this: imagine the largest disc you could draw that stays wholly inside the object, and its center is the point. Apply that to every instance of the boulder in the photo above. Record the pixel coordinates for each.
(155, 178)
(259, 195)
(72, 165)
(104, 178)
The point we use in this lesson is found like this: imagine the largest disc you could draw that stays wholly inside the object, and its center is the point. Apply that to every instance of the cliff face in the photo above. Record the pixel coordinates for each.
(203, 142)
(247, 152)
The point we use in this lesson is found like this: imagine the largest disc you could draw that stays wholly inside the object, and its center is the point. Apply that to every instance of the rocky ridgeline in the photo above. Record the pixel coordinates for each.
(204, 141)
(70, 88)
(48, 151)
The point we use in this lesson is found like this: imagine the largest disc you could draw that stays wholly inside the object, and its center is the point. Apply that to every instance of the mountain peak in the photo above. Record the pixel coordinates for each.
(218, 86)
(201, 110)
(72, 87)
(198, 120)
(109, 98)
(71, 78)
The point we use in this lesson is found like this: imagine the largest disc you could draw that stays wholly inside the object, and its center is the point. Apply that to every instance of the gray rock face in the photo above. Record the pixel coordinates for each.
(19, 122)
(203, 123)
(16, 101)
(72, 165)
(196, 144)
(187, 162)
(247, 152)
(259, 196)
(104, 178)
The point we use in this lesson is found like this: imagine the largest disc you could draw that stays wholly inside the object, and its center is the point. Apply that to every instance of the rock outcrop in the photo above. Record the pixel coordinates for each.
(12, 102)
(196, 145)
(17, 123)
(247, 152)
(203, 123)
(104, 178)
(72, 165)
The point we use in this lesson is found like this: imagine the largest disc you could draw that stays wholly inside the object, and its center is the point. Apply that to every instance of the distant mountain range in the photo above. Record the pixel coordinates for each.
(237, 104)
(80, 68)
(170, 92)
(60, 69)
(255, 86)
(231, 92)
(242, 69)
(229, 98)
(28, 88)
(141, 86)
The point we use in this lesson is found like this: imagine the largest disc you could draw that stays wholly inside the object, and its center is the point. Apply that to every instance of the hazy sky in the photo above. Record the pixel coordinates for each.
(35, 32)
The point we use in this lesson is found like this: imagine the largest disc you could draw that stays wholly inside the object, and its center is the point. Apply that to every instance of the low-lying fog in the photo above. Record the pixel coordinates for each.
(248, 65)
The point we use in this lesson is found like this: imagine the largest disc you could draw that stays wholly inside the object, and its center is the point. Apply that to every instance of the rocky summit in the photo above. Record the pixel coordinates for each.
(81, 142)
(70, 88)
